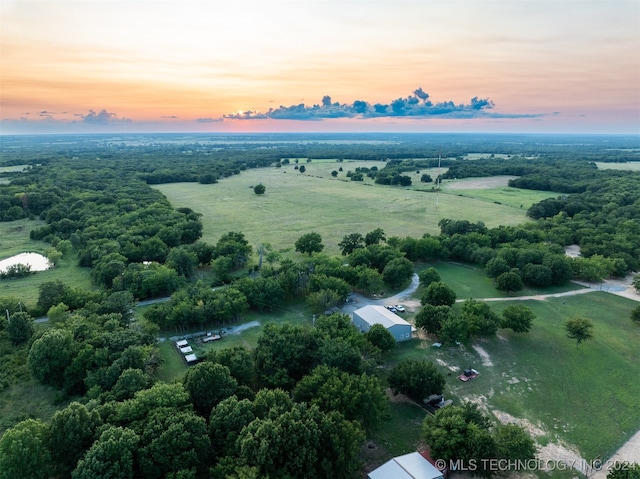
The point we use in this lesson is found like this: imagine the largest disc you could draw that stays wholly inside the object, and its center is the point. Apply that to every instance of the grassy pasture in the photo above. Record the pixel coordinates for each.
(505, 195)
(295, 204)
(14, 239)
(631, 166)
(471, 282)
(583, 395)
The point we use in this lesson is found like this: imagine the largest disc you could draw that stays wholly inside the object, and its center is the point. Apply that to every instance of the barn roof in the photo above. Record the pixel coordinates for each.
(374, 314)
(409, 466)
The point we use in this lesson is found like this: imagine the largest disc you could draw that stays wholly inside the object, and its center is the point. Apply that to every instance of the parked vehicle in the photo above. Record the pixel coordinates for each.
(400, 308)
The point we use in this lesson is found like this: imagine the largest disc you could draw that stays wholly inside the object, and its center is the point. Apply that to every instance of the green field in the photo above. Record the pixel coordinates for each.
(631, 166)
(295, 204)
(585, 395)
(504, 195)
(14, 239)
(472, 282)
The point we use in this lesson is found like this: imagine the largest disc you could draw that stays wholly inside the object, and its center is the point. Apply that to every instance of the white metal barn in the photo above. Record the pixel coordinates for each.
(409, 466)
(367, 316)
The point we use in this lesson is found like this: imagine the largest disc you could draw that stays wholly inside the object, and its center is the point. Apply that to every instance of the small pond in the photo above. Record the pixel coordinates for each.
(35, 260)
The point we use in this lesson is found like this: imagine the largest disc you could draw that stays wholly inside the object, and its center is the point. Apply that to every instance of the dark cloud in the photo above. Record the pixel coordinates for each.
(170, 116)
(417, 105)
(208, 120)
(102, 117)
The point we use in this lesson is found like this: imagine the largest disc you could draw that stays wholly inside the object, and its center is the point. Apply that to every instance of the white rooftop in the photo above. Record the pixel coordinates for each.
(191, 358)
(409, 466)
(374, 314)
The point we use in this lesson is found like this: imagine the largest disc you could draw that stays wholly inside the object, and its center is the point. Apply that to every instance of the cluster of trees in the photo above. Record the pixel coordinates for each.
(297, 406)
(465, 434)
(18, 270)
(474, 319)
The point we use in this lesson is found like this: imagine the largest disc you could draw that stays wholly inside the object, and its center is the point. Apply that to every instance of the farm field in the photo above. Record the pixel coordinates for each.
(295, 204)
(631, 166)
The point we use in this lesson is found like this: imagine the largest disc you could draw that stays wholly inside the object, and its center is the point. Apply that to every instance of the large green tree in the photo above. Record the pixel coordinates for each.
(20, 328)
(416, 378)
(381, 338)
(350, 243)
(285, 353)
(480, 319)
(461, 433)
(397, 271)
(357, 397)
(430, 318)
(428, 276)
(50, 355)
(309, 243)
(238, 360)
(72, 432)
(111, 456)
(24, 451)
(303, 442)
(207, 384)
(509, 282)
(438, 294)
(173, 442)
(518, 318)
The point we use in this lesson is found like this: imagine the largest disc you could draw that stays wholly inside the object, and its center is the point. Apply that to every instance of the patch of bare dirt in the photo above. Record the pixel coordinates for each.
(446, 365)
(505, 418)
(486, 359)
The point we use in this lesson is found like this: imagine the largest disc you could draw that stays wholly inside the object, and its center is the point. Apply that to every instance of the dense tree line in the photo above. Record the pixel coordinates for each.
(298, 406)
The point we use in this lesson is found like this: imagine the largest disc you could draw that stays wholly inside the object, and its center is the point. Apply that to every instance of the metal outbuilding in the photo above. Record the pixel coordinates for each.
(367, 316)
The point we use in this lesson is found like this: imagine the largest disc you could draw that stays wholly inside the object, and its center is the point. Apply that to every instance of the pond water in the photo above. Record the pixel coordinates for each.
(35, 260)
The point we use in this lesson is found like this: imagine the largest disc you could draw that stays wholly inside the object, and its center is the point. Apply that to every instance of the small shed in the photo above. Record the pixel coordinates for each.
(186, 350)
(367, 316)
(409, 466)
(191, 359)
(182, 343)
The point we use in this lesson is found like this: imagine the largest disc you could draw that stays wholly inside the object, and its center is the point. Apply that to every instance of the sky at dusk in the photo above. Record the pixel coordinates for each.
(539, 66)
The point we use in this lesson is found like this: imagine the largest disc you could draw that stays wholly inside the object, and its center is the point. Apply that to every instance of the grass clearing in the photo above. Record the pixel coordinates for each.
(173, 367)
(386, 442)
(505, 195)
(14, 239)
(472, 282)
(569, 391)
(631, 166)
(34, 400)
(295, 204)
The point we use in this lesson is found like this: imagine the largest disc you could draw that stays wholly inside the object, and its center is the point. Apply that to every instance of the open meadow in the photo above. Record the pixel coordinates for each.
(297, 203)
(14, 239)
(630, 166)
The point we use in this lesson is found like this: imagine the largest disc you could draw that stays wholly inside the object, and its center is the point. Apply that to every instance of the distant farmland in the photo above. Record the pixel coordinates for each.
(297, 203)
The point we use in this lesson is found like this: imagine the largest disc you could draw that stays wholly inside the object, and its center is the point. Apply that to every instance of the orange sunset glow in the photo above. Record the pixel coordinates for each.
(456, 65)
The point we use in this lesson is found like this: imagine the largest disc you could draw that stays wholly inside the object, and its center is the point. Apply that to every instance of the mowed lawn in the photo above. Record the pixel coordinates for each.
(584, 395)
(298, 203)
